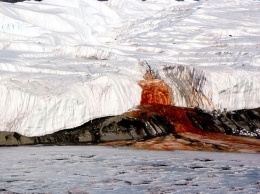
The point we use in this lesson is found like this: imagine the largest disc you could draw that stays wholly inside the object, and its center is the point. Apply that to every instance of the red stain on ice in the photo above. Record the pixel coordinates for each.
(187, 122)
(155, 91)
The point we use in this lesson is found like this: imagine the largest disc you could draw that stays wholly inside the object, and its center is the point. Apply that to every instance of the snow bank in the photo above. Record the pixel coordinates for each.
(63, 62)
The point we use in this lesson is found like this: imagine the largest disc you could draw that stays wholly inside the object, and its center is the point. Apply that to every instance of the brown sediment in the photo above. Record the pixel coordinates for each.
(202, 142)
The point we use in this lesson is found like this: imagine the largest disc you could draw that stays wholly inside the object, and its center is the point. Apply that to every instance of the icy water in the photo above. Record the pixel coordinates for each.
(95, 169)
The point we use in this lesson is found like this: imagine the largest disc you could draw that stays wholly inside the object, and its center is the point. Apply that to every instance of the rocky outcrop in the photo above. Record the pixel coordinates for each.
(195, 129)
(241, 122)
(116, 128)
(161, 127)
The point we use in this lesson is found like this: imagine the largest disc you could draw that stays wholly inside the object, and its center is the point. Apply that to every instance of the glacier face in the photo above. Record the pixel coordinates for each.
(226, 88)
(63, 62)
(39, 107)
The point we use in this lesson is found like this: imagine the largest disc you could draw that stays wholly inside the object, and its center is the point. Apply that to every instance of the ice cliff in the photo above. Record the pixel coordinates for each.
(64, 62)
(214, 88)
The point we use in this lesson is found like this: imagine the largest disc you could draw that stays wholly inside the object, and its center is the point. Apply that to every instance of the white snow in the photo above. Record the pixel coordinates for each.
(92, 169)
(64, 62)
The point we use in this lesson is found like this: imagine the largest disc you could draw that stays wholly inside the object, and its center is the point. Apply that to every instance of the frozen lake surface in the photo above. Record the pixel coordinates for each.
(95, 169)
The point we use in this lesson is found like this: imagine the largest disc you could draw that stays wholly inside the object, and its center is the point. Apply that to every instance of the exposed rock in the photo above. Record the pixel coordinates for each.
(13, 138)
(116, 128)
(160, 127)
(195, 129)
(241, 122)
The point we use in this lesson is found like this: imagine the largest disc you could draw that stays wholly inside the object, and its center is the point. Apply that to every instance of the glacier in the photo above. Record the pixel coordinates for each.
(64, 62)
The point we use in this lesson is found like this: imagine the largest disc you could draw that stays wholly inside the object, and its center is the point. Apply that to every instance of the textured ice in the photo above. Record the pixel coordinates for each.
(92, 169)
(63, 62)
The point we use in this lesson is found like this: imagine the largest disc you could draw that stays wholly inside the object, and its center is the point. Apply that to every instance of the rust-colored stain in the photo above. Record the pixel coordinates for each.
(155, 91)
(177, 116)
(192, 130)
(205, 142)
(187, 134)
(195, 131)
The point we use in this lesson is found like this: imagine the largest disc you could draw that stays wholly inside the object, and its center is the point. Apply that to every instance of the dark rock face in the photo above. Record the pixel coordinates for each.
(13, 138)
(116, 128)
(241, 122)
(195, 129)
(189, 128)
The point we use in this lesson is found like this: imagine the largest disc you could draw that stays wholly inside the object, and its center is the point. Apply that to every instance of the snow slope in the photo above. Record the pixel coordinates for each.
(64, 62)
